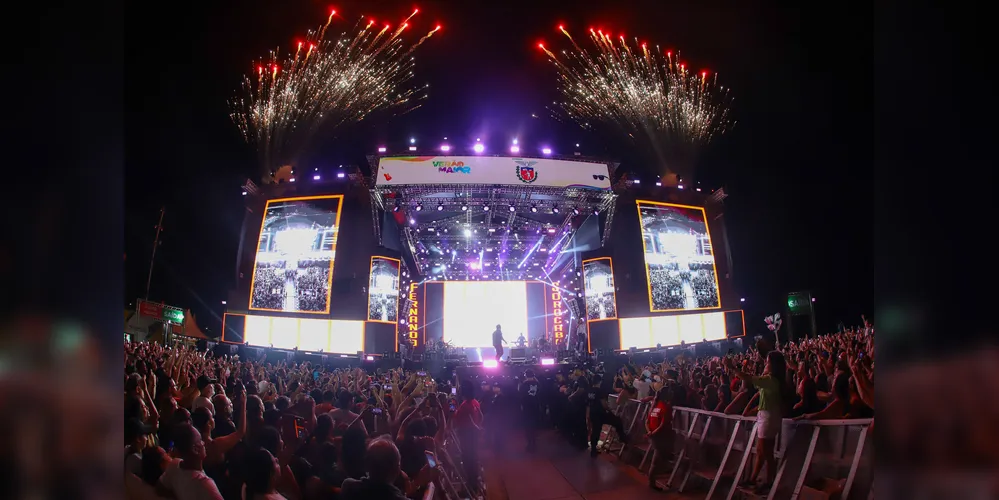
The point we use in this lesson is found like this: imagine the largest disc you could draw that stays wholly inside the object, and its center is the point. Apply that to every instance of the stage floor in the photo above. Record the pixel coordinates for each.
(480, 354)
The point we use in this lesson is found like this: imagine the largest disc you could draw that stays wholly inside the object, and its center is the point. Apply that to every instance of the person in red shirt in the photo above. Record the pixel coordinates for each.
(659, 427)
(468, 425)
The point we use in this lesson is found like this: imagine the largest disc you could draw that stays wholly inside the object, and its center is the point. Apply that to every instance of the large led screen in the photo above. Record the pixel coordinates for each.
(671, 330)
(313, 335)
(598, 288)
(679, 259)
(293, 268)
(472, 309)
(383, 290)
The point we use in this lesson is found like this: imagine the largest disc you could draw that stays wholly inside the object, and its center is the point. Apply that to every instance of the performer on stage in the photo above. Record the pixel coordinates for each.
(498, 342)
(581, 338)
(521, 341)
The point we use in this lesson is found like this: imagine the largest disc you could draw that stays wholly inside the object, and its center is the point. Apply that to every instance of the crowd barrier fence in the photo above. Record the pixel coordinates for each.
(822, 459)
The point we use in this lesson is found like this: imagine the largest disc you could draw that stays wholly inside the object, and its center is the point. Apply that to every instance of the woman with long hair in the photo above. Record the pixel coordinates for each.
(773, 396)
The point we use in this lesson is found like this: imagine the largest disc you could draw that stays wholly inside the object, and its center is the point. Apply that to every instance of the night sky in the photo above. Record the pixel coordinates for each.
(798, 199)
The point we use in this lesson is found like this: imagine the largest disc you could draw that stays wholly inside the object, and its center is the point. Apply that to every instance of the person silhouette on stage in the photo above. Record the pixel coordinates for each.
(521, 341)
(498, 342)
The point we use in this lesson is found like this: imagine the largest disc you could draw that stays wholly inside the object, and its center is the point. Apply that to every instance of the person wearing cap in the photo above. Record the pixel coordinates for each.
(135, 441)
(206, 388)
(530, 408)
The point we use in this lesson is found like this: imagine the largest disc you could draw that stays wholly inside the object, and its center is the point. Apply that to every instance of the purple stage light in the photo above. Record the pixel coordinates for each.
(490, 363)
(445, 148)
(339, 175)
(546, 151)
(315, 177)
(514, 149)
(382, 149)
(479, 147)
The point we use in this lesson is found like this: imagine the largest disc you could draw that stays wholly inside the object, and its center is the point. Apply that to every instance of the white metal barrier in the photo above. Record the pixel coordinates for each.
(817, 459)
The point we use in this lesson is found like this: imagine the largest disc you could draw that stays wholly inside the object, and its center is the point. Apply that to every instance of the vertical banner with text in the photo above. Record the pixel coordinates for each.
(556, 315)
(414, 320)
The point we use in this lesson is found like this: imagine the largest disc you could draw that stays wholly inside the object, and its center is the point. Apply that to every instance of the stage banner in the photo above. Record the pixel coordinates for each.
(413, 318)
(556, 314)
(408, 170)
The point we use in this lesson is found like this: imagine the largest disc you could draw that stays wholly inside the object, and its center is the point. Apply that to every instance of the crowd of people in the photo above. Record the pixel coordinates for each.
(311, 281)
(268, 288)
(828, 377)
(312, 285)
(383, 307)
(601, 306)
(669, 293)
(199, 426)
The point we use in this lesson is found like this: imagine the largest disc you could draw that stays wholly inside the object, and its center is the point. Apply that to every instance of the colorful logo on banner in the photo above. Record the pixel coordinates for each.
(413, 318)
(452, 167)
(525, 171)
(558, 327)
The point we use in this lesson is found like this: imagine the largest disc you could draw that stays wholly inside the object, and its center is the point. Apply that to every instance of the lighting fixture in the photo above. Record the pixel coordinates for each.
(485, 208)
(440, 208)
(546, 151)
(478, 148)
(464, 208)
(382, 149)
(534, 209)
(513, 208)
(419, 207)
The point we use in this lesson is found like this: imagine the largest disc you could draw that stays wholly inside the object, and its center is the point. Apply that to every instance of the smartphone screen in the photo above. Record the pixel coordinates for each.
(376, 411)
(422, 374)
(431, 459)
(454, 391)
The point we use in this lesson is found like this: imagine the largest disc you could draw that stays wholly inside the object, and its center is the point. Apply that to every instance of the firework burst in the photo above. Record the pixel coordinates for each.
(325, 81)
(648, 94)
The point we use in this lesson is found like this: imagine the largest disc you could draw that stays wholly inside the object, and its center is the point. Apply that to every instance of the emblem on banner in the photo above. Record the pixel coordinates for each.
(526, 172)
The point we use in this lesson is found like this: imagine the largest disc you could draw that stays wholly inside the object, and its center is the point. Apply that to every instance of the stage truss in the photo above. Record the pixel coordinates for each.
(481, 218)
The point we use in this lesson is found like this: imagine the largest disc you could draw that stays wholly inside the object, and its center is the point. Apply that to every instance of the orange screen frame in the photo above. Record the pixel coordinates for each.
(398, 271)
(648, 278)
(614, 287)
(336, 237)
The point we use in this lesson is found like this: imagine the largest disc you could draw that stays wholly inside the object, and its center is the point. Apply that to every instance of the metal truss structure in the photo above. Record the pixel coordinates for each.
(495, 232)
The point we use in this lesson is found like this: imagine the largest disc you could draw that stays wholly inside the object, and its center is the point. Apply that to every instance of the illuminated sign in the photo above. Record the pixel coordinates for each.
(452, 167)
(549, 172)
(559, 325)
(413, 319)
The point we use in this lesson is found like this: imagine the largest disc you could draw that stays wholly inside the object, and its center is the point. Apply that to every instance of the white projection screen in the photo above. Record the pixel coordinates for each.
(310, 335)
(671, 330)
(257, 330)
(472, 309)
